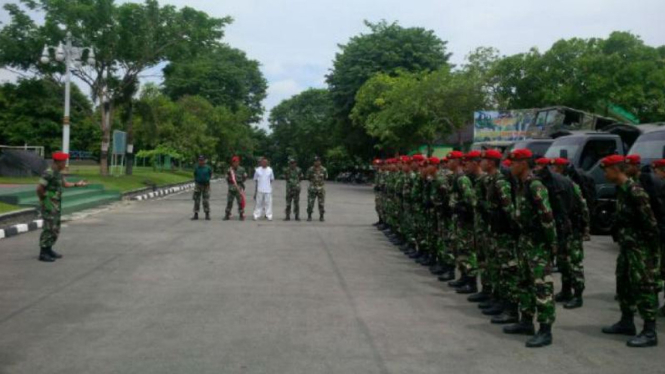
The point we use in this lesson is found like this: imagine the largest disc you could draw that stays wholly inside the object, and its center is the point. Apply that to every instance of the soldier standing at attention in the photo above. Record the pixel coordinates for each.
(317, 176)
(637, 270)
(202, 176)
(236, 177)
(49, 191)
(536, 246)
(659, 172)
(293, 176)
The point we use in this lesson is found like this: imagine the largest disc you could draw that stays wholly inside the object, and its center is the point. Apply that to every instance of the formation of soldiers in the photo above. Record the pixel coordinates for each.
(236, 176)
(504, 224)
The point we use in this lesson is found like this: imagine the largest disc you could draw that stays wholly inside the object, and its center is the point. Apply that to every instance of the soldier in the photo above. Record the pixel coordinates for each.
(658, 167)
(571, 260)
(236, 177)
(637, 269)
(443, 187)
(536, 246)
(293, 175)
(202, 176)
(481, 239)
(463, 202)
(49, 192)
(317, 176)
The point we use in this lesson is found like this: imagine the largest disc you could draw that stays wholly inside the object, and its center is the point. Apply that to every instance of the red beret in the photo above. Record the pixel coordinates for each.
(521, 154)
(543, 161)
(445, 159)
(434, 160)
(235, 158)
(560, 161)
(454, 155)
(418, 157)
(60, 156)
(633, 159)
(658, 163)
(405, 158)
(611, 161)
(492, 154)
(473, 155)
(507, 162)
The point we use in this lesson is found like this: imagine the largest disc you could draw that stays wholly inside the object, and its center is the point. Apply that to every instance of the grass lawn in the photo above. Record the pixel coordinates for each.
(143, 177)
(6, 208)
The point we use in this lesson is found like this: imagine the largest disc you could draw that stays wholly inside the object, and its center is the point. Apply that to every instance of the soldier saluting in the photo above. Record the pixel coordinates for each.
(317, 176)
(49, 192)
(293, 175)
(236, 177)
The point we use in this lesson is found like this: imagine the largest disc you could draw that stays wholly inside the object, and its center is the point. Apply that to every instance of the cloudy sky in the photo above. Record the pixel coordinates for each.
(296, 40)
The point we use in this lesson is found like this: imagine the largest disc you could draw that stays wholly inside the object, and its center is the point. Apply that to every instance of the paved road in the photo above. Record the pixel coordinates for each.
(142, 289)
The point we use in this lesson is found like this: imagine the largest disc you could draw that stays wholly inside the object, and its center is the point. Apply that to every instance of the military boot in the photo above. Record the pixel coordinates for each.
(53, 253)
(287, 218)
(242, 217)
(297, 217)
(470, 287)
(448, 274)
(321, 219)
(309, 217)
(44, 255)
(494, 310)
(227, 217)
(207, 216)
(196, 217)
(647, 338)
(509, 315)
(523, 327)
(565, 295)
(479, 297)
(625, 326)
(543, 338)
(487, 304)
(575, 302)
(459, 282)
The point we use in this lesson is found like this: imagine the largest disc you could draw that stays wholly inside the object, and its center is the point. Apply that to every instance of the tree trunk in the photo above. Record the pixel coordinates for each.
(129, 155)
(106, 139)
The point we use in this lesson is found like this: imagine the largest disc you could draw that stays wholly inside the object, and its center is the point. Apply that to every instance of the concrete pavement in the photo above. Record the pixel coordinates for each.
(142, 289)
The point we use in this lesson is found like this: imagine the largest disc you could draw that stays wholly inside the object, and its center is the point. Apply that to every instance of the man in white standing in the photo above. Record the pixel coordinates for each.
(263, 176)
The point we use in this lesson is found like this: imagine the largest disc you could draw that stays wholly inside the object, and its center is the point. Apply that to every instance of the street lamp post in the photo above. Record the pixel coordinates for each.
(71, 56)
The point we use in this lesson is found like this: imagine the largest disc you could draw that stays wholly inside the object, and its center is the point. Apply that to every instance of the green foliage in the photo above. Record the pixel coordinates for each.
(587, 74)
(31, 113)
(388, 48)
(224, 76)
(303, 127)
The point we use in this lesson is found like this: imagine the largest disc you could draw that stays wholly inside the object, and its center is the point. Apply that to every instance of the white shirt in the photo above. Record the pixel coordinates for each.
(264, 177)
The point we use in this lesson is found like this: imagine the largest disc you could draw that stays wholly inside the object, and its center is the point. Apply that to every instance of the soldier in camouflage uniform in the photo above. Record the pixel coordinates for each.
(638, 268)
(536, 246)
(49, 192)
(202, 176)
(443, 191)
(236, 177)
(379, 203)
(414, 211)
(293, 175)
(658, 167)
(572, 264)
(501, 243)
(474, 161)
(317, 176)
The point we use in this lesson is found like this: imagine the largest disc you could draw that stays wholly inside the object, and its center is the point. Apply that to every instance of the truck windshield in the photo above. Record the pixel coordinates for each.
(650, 146)
(570, 145)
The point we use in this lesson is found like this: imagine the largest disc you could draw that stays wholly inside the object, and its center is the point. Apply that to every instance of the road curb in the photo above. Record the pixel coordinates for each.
(163, 192)
(21, 228)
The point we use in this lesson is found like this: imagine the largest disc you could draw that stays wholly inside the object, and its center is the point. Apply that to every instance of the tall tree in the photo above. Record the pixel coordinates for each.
(127, 39)
(223, 76)
(388, 48)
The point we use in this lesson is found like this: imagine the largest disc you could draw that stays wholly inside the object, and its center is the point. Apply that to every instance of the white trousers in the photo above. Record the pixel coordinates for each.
(263, 205)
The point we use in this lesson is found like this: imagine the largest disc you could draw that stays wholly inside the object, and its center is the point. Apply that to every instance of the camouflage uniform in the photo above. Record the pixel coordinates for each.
(293, 177)
(464, 211)
(535, 249)
(202, 188)
(572, 264)
(235, 193)
(53, 183)
(316, 189)
(486, 264)
(502, 243)
(441, 190)
(637, 270)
